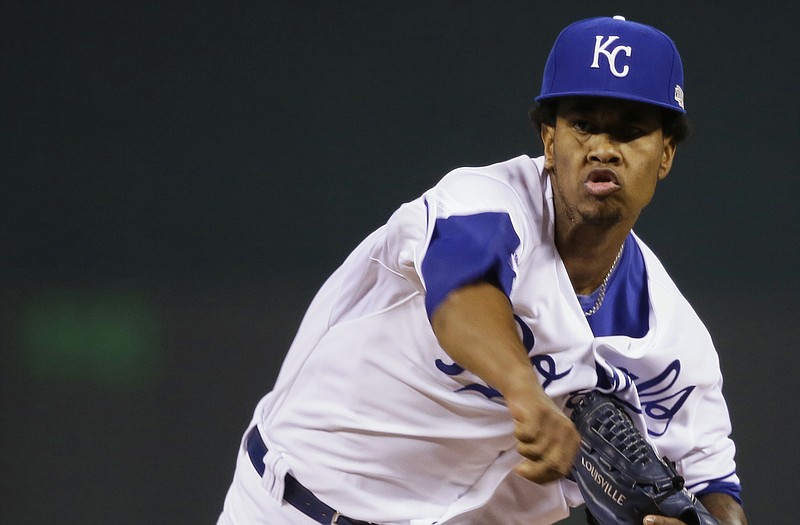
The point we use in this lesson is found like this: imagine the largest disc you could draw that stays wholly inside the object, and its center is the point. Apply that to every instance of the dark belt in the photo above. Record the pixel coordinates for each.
(294, 493)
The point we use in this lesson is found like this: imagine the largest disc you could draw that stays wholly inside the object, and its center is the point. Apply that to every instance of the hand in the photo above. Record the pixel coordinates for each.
(545, 437)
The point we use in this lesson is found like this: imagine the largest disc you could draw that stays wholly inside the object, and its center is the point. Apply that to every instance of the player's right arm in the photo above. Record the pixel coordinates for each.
(463, 257)
(475, 326)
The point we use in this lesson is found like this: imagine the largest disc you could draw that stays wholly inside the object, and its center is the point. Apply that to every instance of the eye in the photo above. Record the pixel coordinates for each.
(628, 133)
(582, 126)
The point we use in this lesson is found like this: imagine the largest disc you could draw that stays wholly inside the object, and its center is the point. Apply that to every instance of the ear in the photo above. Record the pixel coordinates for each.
(547, 133)
(667, 156)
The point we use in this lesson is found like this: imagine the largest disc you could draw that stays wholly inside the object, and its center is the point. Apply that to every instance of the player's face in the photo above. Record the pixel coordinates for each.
(605, 157)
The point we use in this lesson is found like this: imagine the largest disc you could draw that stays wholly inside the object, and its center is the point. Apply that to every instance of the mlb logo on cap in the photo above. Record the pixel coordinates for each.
(613, 57)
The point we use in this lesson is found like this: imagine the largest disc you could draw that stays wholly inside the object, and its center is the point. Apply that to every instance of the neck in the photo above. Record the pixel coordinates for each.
(589, 259)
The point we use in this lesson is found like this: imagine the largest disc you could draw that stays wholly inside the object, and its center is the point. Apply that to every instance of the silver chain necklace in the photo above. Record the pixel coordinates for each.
(602, 293)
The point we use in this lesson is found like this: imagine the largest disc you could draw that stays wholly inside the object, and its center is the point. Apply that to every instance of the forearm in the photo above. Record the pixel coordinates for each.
(475, 326)
(724, 508)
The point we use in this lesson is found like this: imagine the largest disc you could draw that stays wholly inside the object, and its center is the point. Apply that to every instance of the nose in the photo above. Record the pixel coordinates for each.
(604, 149)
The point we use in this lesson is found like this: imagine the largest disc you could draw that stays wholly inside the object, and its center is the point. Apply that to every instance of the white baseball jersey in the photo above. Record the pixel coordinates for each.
(372, 416)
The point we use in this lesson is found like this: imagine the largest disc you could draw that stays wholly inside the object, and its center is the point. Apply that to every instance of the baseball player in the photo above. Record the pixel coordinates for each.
(431, 377)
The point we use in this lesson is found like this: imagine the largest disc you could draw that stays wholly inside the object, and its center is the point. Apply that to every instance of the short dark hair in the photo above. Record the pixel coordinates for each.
(674, 124)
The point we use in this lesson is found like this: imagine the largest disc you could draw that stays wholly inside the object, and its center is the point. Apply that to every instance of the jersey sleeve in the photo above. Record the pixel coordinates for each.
(469, 227)
(710, 466)
(698, 436)
(465, 249)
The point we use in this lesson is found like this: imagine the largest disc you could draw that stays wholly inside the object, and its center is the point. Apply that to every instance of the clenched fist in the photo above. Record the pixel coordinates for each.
(546, 438)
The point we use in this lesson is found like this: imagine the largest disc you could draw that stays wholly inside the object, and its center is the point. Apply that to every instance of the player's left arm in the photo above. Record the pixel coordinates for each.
(721, 506)
(724, 508)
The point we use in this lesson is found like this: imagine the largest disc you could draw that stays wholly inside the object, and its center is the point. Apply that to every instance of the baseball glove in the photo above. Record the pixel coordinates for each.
(619, 474)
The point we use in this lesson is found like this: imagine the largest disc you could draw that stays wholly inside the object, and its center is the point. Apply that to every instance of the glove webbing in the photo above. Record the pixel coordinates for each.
(619, 431)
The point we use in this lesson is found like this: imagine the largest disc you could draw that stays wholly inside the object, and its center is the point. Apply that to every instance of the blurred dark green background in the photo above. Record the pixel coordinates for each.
(179, 177)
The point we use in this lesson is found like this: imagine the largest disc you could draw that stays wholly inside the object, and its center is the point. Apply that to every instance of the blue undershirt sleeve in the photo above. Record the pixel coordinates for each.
(465, 249)
(733, 490)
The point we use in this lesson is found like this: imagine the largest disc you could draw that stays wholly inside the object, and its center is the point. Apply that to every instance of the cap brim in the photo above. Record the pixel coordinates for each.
(611, 94)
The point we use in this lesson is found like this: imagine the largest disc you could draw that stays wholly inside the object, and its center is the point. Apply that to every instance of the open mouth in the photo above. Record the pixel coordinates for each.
(602, 182)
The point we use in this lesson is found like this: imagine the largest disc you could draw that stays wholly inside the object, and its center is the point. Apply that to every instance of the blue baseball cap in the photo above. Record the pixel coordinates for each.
(613, 57)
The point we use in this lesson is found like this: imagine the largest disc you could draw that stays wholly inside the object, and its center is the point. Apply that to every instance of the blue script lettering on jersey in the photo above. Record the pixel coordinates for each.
(659, 403)
(611, 379)
(544, 364)
(455, 369)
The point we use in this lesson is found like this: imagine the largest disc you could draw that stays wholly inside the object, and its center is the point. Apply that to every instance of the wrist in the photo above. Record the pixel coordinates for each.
(521, 384)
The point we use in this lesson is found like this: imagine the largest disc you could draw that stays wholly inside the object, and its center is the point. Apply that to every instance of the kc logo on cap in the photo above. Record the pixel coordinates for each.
(601, 48)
